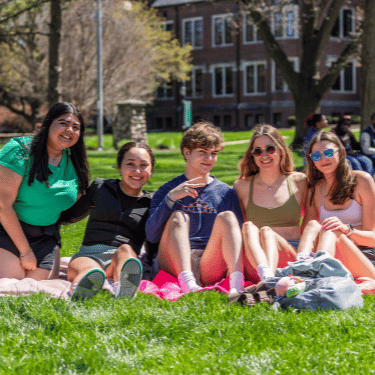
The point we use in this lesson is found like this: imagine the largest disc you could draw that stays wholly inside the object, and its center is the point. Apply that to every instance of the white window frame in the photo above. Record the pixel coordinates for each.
(295, 61)
(330, 60)
(212, 71)
(285, 10)
(165, 97)
(165, 23)
(192, 19)
(244, 29)
(341, 23)
(254, 63)
(193, 81)
(223, 17)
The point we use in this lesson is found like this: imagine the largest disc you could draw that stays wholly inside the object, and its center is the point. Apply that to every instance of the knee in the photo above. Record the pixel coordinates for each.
(178, 219)
(124, 250)
(266, 232)
(249, 228)
(228, 218)
(313, 226)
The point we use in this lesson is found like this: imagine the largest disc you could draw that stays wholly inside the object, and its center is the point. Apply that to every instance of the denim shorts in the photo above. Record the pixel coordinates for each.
(294, 243)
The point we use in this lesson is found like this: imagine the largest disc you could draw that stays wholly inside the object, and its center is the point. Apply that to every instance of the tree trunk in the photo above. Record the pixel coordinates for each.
(54, 47)
(368, 65)
(304, 106)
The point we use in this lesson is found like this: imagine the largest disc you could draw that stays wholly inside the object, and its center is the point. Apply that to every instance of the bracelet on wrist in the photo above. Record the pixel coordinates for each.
(170, 202)
(351, 230)
(24, 254)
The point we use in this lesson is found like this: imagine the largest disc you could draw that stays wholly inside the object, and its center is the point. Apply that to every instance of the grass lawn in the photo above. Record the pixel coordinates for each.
(198, 334)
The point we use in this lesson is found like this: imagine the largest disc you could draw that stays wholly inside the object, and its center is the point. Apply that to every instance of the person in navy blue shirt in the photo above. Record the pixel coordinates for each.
(368, 140)
(197, 218)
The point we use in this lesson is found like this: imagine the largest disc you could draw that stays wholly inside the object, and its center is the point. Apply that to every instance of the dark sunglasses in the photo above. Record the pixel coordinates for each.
(257, 151)
(328, 153)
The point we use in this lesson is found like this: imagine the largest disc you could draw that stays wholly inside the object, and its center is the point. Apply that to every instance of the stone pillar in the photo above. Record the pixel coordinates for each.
(130, 122)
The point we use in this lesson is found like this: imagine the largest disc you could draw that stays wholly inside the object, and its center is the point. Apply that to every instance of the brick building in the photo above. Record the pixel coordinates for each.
(234, 82)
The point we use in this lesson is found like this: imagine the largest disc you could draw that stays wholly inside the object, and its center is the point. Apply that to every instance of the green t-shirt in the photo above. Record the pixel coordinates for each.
(39, 204)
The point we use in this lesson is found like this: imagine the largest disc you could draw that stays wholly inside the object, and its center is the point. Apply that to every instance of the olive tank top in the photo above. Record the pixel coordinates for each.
(286, 215)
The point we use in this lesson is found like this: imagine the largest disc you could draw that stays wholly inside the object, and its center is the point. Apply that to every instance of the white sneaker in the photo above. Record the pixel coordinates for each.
(89, 285)
(130, 278)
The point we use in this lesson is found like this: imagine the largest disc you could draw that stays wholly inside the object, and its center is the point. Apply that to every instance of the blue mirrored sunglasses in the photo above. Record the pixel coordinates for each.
(328, 153)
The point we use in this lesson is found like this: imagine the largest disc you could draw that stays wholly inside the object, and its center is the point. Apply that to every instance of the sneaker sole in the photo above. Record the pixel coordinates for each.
(130, 278)
(89, 285)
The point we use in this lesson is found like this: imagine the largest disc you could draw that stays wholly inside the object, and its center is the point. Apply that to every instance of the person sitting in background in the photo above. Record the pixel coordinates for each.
(315, 122)
(39, 178)
(115, 229)
(368, 140)
(356, 160)
(197, 218)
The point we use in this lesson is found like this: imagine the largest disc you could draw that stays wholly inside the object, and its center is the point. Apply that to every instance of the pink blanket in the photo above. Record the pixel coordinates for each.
(164, 286)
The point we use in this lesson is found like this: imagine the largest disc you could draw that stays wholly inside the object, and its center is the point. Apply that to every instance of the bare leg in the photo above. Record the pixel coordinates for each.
(122, 254)
(223, 252)
(253, 249)
(174, 247)
(327, 242)
(38, 274)
(310, 237)
(269, 244)
(353, 258)
(10, 266)
(78, 267)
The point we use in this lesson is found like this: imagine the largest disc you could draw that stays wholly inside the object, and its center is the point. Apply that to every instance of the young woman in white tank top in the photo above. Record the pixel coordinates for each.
(340, 214)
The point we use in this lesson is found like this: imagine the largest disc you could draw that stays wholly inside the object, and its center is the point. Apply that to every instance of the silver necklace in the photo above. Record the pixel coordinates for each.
(270, 187)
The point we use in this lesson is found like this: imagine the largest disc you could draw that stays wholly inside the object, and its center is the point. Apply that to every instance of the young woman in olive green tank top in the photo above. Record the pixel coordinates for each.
(272, 197)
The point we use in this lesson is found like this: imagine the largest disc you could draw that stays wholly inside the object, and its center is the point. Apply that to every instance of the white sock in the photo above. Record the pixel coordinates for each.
(264, 271)
(236, 282)
(187, 282)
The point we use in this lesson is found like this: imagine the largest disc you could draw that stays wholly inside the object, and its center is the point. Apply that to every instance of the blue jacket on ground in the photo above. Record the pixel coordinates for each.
(213, 198)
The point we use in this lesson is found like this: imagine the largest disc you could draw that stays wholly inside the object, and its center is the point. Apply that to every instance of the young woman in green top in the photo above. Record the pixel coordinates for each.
(39, 178)
(272, 197)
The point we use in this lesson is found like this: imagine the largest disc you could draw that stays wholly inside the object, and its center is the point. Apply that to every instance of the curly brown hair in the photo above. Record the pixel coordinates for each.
(247, 165)
(202, 135)
(345, 180)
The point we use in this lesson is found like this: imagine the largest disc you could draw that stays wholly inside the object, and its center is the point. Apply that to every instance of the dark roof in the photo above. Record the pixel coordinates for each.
(166, 3)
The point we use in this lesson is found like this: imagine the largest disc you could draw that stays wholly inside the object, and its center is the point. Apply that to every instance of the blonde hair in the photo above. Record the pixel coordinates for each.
(247, 165)
(345, 181)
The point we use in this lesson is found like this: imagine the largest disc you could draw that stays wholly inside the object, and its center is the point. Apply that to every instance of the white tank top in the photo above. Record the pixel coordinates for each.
(351, 215)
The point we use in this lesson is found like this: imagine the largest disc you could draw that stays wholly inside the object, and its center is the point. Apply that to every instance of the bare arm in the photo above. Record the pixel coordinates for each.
(241, 187)
(9, 185)
(311, 212)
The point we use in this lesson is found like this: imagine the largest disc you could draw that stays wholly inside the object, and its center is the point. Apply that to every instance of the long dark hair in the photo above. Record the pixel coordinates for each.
(313, 119)
(345, 180)
(38, 149)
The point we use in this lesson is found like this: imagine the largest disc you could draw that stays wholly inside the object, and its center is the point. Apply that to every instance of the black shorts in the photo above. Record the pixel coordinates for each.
(369, 252)
(43, 240)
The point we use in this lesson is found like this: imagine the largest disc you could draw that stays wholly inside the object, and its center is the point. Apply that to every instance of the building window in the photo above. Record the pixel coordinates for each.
(165, 91)
(259, 118)
(169, 123)
(250, 32)
(249, 121)
(222, 33)
(344, 26)
(277, 119)
(227, 121)
(278, 83)
(194, 87)
(345, 81)
(159, 123)
(217, 121)
(222, 80)
(254, 77)
(285, 22)
(167, 25)
(192, 29)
